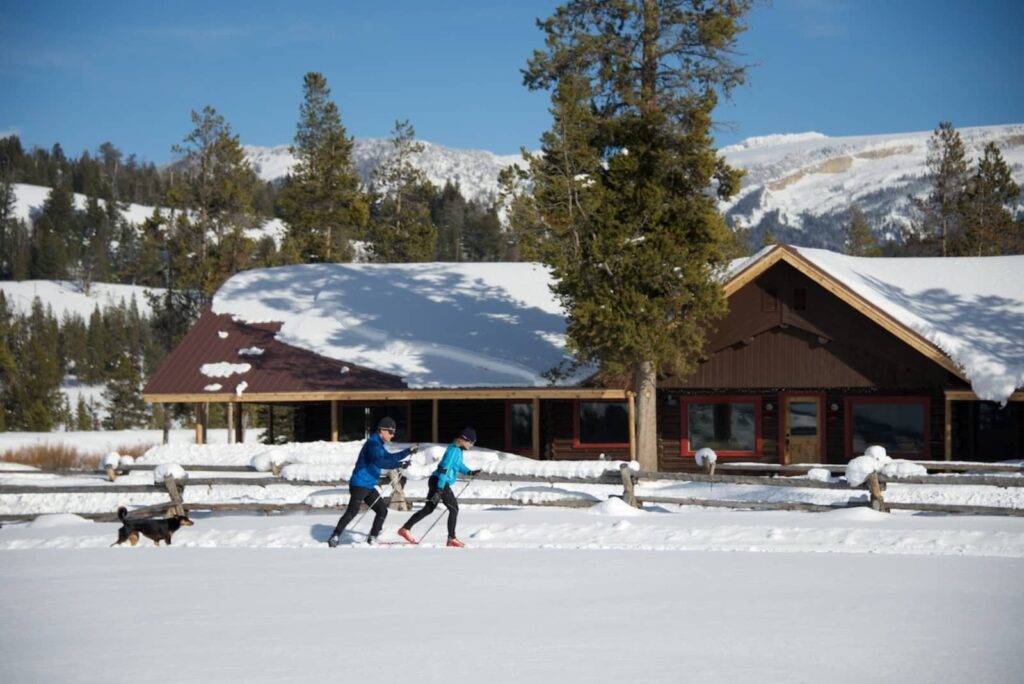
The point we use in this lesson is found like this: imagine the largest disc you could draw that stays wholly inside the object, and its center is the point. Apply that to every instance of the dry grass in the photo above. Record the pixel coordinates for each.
(61, 456)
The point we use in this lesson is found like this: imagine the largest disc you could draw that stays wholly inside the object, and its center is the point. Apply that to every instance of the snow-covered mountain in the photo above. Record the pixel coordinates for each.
(799, 185)
(476, 171)
(802, 185)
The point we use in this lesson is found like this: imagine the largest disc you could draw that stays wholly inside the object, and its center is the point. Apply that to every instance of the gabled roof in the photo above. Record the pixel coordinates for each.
(964, 313)
(221, 358)
(428, 327)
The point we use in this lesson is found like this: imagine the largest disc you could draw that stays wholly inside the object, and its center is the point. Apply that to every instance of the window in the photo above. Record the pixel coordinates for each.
(729, 425)
(900, 424)
(602, 423)
(520, 427)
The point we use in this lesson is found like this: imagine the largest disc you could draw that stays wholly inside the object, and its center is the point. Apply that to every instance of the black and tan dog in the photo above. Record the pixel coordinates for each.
(154, 528)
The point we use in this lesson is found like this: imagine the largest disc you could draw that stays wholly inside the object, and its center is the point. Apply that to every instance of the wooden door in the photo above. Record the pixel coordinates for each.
(801, 427)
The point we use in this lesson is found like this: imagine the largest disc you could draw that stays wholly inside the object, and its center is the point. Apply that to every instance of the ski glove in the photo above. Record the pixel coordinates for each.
(474, 473)
(414, 448)
(405, 464)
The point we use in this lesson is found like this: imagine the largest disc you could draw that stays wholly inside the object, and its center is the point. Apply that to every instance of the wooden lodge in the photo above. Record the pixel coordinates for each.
(819, 356)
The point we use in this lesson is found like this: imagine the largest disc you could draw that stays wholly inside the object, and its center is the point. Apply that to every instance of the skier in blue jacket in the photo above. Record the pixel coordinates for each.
(362, 486)
(440, 487)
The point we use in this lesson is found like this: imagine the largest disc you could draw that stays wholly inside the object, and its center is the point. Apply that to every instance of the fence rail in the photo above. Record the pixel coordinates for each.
(995, 475)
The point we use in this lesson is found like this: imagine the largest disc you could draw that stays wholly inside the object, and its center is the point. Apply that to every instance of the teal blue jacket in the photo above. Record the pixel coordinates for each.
(450, 466)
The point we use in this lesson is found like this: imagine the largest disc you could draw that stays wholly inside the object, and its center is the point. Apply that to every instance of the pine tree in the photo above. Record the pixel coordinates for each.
(483, 237)
(321, 201)
(217, 189)
(123, 395)
(400, 226)
(948, 170)
(628, 181)
(83, 418)
(8, 364)
(448, 213)
(53, 232)
(7, 217)
(988, 225)
(860, 241)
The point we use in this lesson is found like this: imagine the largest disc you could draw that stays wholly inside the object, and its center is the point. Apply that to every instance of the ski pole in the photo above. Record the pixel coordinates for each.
(438, 516)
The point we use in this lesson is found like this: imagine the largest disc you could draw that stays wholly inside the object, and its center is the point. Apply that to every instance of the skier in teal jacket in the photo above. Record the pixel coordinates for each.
(440, 487)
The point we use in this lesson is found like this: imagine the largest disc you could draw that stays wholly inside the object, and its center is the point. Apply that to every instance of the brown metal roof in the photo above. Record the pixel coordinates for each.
(280, 368)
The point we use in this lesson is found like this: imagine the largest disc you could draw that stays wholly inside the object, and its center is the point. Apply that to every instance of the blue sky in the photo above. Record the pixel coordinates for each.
(82, 73)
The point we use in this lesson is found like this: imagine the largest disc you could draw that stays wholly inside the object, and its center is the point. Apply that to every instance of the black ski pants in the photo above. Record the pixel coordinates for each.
(356, 497)
(435, 496)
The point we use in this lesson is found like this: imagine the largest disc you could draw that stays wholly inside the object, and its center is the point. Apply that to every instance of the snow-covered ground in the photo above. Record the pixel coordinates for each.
(605, 593)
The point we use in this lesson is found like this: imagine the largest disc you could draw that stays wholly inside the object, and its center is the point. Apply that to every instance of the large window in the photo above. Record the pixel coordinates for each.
(602, 423)
(729, 425)
(900, 424)
(520, 427)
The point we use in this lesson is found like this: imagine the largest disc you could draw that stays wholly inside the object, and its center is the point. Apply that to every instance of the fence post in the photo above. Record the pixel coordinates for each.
(397, 499)
(175, 494)
(111, 473)
(627, 485)
(877, 502)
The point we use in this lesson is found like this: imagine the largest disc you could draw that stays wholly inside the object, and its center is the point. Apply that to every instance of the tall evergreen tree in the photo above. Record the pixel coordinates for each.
(400, 226)
(631, 203)
(860, 241)
(448, 213)
(123, 394)
(54, 231)
(988, 224)
(948, 170)
(321, 201)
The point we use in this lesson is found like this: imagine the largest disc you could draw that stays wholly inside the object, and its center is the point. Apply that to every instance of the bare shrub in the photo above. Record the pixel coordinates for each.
(56, 456)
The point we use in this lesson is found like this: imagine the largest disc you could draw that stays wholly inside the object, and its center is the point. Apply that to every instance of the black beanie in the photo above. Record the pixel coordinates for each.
(468, 434)
(386, 423)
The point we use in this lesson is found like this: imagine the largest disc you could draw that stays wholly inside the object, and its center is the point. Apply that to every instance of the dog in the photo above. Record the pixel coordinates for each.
(154, 528)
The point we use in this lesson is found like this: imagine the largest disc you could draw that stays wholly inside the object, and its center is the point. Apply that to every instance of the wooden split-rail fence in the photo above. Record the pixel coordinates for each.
(754, 474)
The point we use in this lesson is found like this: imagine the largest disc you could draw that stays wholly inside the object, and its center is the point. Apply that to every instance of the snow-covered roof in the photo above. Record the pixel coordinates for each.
(969, 308)
(431, 324)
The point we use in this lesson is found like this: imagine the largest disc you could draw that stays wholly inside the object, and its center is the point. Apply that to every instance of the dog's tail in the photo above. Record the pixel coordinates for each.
(122, 513)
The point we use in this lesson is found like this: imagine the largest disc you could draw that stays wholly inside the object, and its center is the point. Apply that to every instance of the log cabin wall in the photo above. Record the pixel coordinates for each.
(786, 333)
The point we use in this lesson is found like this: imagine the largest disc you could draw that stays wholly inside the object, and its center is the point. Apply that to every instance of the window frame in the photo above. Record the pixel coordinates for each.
(577, 444)
(684, 422)
(923, 401)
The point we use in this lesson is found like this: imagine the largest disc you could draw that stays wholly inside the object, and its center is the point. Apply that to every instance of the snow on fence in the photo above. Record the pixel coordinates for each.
(766, 475)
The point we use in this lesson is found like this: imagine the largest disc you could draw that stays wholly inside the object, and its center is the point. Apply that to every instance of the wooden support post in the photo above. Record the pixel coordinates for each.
(175, 494)
(111, 473)
(948, 433)
(166, 423)
(334, 420)
(631, 400)
(201, 417)
(433, 421)
(231, 422)
(397, 499)
(877, 502)
(535, 413)
(270, 423)
(627, 485)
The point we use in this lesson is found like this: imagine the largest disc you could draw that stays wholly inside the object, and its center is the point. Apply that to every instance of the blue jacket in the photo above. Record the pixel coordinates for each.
(373, 458)
(450, 466)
